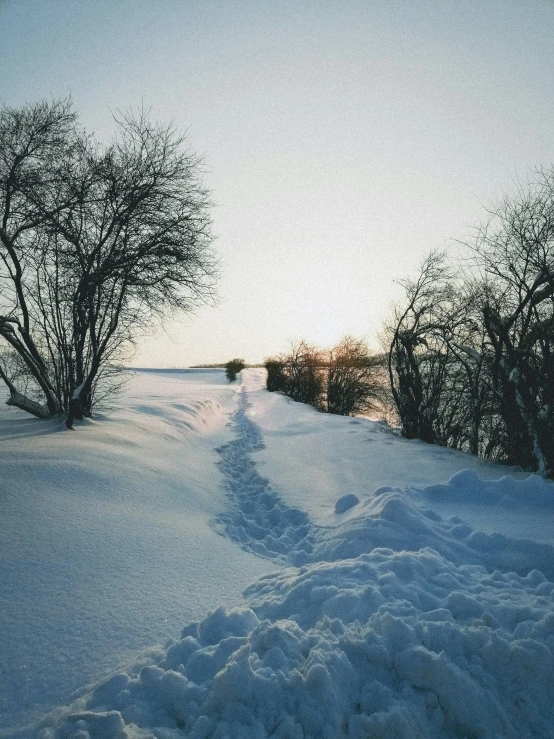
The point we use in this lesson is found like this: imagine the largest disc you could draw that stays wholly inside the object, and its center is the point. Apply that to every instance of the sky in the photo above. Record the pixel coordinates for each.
(342, 139)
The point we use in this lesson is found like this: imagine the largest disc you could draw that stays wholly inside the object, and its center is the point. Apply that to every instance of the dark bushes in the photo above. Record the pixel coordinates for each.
(233, 367)
(304, 375)
(471, 357)
(345, 380)
(354, 379)
(276, 378)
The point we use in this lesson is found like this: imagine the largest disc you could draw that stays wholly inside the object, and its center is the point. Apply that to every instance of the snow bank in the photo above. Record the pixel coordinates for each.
(392, 519)
(467, 486)
(390, 644)
(106, 546)
(418, 636)
(260, 521)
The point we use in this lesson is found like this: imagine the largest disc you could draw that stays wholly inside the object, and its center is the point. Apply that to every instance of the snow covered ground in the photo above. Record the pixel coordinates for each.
(396, 590)
(105, 537)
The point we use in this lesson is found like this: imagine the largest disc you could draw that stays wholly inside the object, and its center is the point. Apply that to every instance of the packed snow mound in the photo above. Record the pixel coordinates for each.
(467, 486)
(390, 644)
(419, 634)
(346, 502)
(392, 519)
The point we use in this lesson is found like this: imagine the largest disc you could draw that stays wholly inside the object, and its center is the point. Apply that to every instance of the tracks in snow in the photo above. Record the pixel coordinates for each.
(257, 518)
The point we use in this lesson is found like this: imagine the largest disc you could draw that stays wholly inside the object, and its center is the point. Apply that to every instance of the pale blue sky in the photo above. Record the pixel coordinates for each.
(343, 139)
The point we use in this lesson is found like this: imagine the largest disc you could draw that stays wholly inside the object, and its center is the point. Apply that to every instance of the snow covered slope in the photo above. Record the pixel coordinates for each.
(105, 542)
(329, 456)
(399, 605)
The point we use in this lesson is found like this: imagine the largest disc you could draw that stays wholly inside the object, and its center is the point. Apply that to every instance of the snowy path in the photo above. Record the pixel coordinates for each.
(257, 517)
(260, 519)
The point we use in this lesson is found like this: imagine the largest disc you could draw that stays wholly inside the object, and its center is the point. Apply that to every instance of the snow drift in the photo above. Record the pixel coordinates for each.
(390, 643)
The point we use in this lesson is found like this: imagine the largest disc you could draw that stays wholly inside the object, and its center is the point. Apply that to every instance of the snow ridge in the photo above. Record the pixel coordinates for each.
(257, 517)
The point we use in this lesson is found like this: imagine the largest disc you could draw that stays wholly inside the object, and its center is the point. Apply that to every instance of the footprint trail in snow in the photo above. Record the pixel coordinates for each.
(257, 517)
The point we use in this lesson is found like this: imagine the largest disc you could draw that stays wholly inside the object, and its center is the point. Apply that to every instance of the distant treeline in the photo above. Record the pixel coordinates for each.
(221, 365)
(345, 380)
(217, 365)
(469, 352)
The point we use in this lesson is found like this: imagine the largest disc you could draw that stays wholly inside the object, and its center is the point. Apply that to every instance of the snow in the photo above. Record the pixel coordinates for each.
(20, 401)
(395, 589)
(330, 456)
(77, 391)
(105, 536)
(346, 502)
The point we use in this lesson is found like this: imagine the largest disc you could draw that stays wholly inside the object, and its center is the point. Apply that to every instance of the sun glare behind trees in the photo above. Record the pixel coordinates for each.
(345, 380)
(469, 350)
(98, 240)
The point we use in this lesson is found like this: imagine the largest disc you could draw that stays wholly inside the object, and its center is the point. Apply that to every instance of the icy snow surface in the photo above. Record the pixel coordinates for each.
(411, 591)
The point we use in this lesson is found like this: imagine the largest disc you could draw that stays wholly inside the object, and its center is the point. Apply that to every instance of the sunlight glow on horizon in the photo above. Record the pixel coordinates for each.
(342, 141)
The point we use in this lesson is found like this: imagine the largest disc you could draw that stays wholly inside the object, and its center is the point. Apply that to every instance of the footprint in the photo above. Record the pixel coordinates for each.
(257, 518)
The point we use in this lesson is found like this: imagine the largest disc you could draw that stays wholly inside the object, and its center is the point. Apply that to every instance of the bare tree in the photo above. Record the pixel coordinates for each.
(299, 374)
(276, 377)
(97, 241)
(460, 337)
(354, 378)
(471, 359)
(416, 365)
(303, 371)
(36, 149)
(345, 380)
(515, 252)
(439, 364)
